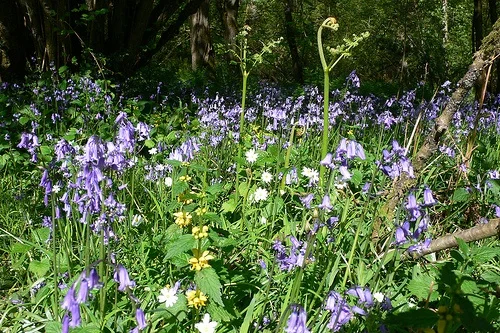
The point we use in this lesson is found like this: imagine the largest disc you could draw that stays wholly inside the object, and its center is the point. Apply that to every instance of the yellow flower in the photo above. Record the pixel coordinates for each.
(183, 219)
(201, 211)
(185, 178)
(198, 262)
(199, 233)
(196, 298)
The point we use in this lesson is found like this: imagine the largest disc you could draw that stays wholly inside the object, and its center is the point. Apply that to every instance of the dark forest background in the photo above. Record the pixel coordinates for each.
(411, 41)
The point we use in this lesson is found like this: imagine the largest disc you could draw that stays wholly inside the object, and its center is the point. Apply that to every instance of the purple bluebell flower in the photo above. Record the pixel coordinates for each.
(296, 323)
(340, 311)
(93, 279)
(29, 141)
(140, 318)
(420, 246)
(412, 207)
(428, 198)
(83, 292)
(494, 174)
(75, 315)
(65, 323)
(402, 233)
(332, 221)
(121, 276)
(69, 299)
(326, 204)
(306, 201)
(497, 210)
(327, 161)
(363, 295)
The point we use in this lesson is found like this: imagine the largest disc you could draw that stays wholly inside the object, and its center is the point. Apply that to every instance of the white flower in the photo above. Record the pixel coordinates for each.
(312, 174)
(379, 297)
(263, 220)
(206, 326)
(136, 220)
(56, 188)
(251, 156)
(260, 194)
(153, 151)
(266, 177)
(159, 167)
(168, 296)
(168, 181)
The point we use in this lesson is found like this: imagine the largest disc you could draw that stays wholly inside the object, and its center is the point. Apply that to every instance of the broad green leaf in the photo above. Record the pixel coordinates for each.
(229, 206)
(422, 287)
(357, 177)
(182, 244)
(20, 248)
(215, 188)
(39, 268)
(218, 313)
(23, 120)
(207, 281)
(53, 327)
(484, 254)
(460, 195)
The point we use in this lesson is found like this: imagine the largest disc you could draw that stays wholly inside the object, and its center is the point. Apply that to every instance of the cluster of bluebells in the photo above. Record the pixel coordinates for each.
(297, 320)
(346, 150)
(395, 162)
(288, 259)
(341, 312)
(86, 282)
(417, 220)
(92, 190)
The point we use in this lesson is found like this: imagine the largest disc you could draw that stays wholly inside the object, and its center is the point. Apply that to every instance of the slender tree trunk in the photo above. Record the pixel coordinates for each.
(12, 41)
(477, 38)
(139, 26)
(493, 18)
(201, 45)
(97, 26)
(290, 33)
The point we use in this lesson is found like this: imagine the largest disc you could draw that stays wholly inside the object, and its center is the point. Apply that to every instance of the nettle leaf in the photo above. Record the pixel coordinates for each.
(219, 313)
(461, 194)
(357, 177)
(183, 244)
(491, 276)
(208, 282)
(39, 267)
(484, 254)
(424, 287)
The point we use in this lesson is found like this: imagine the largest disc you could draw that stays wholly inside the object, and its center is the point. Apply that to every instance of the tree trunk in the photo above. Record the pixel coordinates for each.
(477, 38)
(290, 33)
(488, 52)
(201, 45)
(97, 26)
(493, 18)
(12, 42)
(139, 25)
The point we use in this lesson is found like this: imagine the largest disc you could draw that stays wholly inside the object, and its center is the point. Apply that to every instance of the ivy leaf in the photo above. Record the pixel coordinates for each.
(208, 282)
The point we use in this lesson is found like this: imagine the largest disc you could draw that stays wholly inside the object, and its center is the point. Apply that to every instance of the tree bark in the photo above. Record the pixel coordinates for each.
(477, 38)
(97, 31)
(488, 52)
(448, 241)
(492, 4)
(201, 45)
(139, 26)
(290, 33)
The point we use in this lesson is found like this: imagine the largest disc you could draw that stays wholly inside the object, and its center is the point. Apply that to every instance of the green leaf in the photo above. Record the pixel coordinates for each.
(248, 316)
(20, 248)
(215, 188)
(462, 245)
(39, 268)
(23, 120)
(422, 286)
(357, 177)
(460, 195)
(229, 206)
(491, 276)
(149, 143)
(45, 150)
(207, 281)
(182, 244)
(484, 254)
(219, 313)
